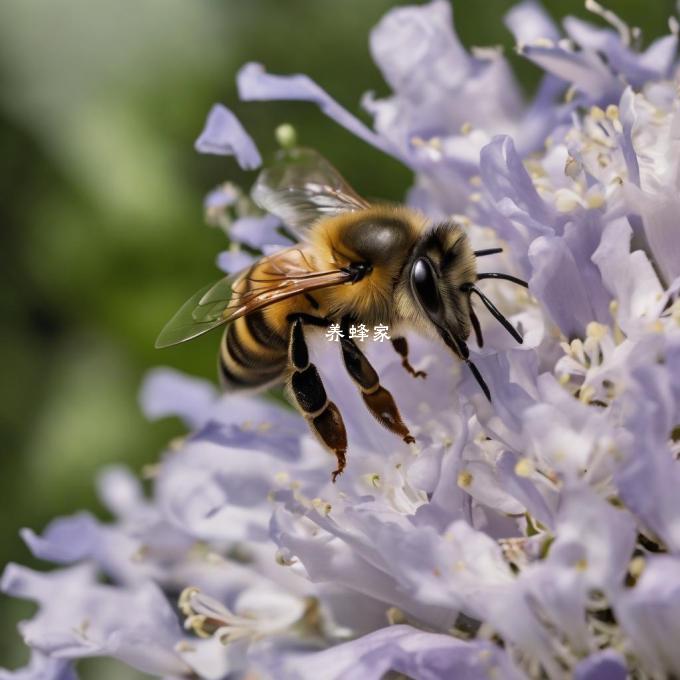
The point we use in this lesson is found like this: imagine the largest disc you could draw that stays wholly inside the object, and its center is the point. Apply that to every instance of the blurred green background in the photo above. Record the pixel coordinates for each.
(101, 212)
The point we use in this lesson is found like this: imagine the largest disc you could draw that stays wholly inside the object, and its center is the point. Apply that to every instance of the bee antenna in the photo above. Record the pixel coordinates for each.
(499, 317)
(477, 327)
(488, 251)
(479, 379)
(464, 353)
(505, 277)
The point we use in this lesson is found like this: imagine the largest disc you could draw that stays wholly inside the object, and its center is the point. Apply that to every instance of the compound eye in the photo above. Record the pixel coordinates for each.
(423, 281)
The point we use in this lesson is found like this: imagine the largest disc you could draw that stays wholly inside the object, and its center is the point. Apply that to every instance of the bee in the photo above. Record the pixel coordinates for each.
(355, 262)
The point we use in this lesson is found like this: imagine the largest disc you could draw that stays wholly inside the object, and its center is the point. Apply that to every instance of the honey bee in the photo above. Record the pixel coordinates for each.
(355, 262)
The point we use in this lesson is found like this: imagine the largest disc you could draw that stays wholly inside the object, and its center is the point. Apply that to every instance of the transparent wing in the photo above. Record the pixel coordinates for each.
(301, 186)
(271, 279)
(195, 318)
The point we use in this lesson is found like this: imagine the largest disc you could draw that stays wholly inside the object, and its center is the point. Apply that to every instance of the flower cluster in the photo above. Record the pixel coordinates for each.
(534, 536)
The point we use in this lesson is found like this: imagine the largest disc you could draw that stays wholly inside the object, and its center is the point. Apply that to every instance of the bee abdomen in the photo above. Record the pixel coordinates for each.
(262, 333)
(251, 354)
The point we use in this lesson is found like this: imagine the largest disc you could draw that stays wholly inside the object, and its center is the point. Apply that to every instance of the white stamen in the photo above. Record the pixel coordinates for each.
(209, 618)
(611, 18)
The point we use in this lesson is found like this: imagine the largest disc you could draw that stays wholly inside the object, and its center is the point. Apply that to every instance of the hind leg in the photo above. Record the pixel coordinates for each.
(307, 388)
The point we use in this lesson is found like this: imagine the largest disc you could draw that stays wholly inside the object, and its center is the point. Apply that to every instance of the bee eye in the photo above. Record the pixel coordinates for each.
(423, 282)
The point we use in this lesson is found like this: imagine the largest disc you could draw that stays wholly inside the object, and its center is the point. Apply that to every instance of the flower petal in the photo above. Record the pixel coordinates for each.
(605, 665)
(224, 135)
(167, 392)
(523, 489)
(404, 650)
(584, 70)
(659, 208)
(66, 539)
(529, 22)
(257, 232)
(255, 84)
(41, 667)
(636, 69)
(650, 614)
(556, 270)
(78, 617)
(628, 276)
(231, 261)
(416, 50)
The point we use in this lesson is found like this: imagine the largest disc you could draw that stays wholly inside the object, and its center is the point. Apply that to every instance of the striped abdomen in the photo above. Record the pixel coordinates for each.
(252, 353)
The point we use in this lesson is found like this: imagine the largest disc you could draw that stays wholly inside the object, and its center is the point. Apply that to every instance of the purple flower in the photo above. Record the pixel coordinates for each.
(604, 61)
(79, 617)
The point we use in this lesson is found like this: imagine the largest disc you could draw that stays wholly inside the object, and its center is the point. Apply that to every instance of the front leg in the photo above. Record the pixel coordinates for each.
(401, 346)
(379, 401)
(305, 383)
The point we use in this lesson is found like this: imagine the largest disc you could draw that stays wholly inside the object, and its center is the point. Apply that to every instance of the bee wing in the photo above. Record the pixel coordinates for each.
(300, 187)
(195, 318)
(288, 273)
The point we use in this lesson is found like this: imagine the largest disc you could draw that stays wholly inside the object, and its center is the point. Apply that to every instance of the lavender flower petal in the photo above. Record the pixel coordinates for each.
(585, 70)
(565, 263)
(255, 84)
(508, 183)
(523, 489)
(80, 618)
(224, 135)
(650, 614)
(528, 22)
(405, 650)
(41, 667)
(231, 261)
(607, 665)
(637, 69)
(65, 540)
(628, 276)
(257, 232)
(221, 197)
(658, 208)
(417, 51)
(219, 493)
(651, 414)
(168, 392)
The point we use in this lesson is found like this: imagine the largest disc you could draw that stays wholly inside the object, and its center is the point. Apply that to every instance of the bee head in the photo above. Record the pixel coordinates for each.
(442, 271)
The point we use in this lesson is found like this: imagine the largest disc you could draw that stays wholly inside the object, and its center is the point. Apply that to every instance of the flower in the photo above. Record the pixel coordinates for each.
(533, 535)
(79, 617)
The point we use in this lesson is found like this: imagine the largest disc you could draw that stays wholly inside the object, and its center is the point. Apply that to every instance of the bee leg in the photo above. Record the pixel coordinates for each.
(379, 401)
(322, 415)
(401, 346)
